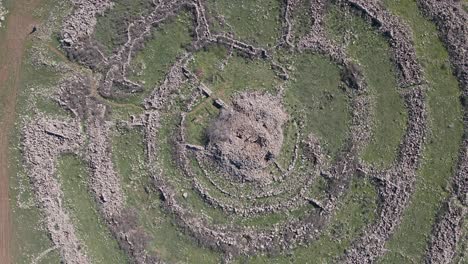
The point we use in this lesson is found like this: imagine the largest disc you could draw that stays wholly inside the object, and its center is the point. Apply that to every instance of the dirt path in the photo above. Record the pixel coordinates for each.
(12, 44)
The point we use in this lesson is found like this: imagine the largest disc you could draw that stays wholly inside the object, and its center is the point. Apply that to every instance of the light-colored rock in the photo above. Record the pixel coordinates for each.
(3, 13)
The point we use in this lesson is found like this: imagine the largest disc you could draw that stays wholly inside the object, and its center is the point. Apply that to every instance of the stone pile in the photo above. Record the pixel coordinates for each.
(44, 140)
(253, 122)
(81, 23)
(285, 236)
(247, 138)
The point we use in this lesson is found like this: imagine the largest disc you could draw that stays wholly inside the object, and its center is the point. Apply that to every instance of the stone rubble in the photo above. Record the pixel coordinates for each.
(104, 180)
(247, 137)
(81, 23)
(400, 38)
(287, 35)
(452, 21)
(44, 140)
(447, 233)
(397, 186)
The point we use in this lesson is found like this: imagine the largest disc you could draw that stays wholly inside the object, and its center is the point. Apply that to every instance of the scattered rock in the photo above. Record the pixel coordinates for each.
(247, 137)
(3, 13)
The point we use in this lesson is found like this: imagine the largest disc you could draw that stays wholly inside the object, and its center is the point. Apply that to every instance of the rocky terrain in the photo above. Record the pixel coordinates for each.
(3, 13)
(253, 152)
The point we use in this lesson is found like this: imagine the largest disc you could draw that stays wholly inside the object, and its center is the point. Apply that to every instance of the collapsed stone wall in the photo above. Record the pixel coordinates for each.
(400, 38)
(446, 234)
(289, 6)
(233, 241)
(82, 22)
(452, 20)
(44, 140)
(396, 184)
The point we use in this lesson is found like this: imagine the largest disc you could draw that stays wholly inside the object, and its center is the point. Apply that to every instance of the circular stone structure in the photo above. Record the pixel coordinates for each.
(227, 194)
(247, 137)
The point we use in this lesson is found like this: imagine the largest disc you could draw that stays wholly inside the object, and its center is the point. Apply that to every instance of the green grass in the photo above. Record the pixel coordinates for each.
(290, 130)
(238, 75)
(254, 21)
(199, 120)
(111, 28)
(209, 62)
(79, 202)
(461, 256)
(318, 190)
(315, 97)
(302, 19)
(267, 221)
(370, 49)
(225, 76)
(356, 210)
(168, 41)
(30, 236)
(168, 241)
(442, 145)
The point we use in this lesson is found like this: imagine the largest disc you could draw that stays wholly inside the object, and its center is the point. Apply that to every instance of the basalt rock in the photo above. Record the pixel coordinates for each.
(248, 136)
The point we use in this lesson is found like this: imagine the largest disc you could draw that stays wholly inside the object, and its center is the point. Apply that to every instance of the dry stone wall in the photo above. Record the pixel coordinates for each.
(246, 140)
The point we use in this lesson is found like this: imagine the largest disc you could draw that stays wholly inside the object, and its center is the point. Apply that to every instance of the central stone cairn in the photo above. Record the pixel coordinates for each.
(245, 139)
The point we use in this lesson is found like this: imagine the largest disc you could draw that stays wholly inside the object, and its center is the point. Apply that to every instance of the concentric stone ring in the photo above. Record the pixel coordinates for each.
(260, 131)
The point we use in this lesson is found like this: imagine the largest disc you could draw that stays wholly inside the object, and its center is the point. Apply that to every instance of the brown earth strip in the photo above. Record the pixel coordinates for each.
(19, 24)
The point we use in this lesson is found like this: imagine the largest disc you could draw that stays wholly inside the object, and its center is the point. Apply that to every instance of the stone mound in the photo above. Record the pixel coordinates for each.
(246, 138)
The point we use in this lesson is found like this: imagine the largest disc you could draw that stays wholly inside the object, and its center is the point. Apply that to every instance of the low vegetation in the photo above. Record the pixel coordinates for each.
(239, 132)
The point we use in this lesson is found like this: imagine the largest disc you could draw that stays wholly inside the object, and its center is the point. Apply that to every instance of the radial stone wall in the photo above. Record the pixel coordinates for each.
(238, 133)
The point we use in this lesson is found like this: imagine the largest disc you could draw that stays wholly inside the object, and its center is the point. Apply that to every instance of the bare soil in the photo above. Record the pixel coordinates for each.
(19, 25)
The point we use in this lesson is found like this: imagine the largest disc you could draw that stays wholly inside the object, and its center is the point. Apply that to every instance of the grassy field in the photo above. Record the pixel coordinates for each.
(111, 27)
(442, 145)
(254, 21)
(99, 243)
(356, 210)
(303, 19)
(314, 94)
(168, 242)
(227, 75)
(151, 64)
(316, 97)
(390, 116)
